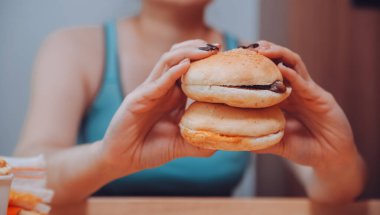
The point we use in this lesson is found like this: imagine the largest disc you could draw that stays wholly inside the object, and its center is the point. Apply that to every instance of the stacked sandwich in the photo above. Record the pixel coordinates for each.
(29, 194)
(236, 95)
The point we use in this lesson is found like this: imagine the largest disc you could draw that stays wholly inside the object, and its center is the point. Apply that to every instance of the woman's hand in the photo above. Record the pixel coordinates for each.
(144, 132)
(317, 132)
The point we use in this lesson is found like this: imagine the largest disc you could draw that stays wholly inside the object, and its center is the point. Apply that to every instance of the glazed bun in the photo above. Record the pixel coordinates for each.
(221, 127)
(239, 78)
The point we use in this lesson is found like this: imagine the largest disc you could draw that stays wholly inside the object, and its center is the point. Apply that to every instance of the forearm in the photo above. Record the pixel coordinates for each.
(335, 182)
(75, 173)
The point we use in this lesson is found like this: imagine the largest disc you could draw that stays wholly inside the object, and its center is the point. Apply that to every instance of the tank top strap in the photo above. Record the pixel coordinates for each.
(230, 41)
(111, 66)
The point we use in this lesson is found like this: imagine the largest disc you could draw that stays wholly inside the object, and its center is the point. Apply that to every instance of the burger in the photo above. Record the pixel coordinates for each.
(237, 93)
(221, 127)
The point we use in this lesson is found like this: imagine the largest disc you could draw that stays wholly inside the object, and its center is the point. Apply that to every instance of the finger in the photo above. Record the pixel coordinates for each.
(193, 43)
(277, 149)
(187, 43)
(173, 57)
(150, 92)
(187, 150)
(283, 54)
(296, 81)
(162, 85)
(306, 89)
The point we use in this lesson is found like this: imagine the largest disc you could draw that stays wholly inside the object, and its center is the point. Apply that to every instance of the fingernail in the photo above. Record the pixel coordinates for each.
(209, 47)
(253, 46)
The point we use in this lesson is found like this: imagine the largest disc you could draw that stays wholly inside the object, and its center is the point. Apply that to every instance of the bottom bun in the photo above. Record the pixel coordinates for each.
(211, 140)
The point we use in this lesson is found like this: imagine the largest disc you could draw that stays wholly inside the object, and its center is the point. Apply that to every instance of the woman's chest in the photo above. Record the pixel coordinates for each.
(135, 67)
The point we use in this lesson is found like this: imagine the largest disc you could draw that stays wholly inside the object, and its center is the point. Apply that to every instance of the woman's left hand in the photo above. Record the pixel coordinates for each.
(317, 132)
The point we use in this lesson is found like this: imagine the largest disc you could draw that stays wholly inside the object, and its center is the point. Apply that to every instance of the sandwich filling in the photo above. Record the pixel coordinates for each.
(277, 87)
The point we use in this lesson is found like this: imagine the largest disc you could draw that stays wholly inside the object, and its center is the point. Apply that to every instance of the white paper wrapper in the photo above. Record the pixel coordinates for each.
(30, 179)
(5, 184)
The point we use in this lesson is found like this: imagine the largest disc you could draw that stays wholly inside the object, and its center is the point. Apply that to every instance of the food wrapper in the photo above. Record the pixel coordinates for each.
(29, 194)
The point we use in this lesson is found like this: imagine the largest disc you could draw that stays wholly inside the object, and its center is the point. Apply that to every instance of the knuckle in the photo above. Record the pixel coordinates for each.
(194, 42)
(176, 46)
(157, 86)
(330, 97)
(166, 58)
(171, 78)
(297, 57)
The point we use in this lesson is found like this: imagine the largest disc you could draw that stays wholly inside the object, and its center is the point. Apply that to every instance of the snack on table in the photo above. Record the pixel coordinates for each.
(5, 184)
(29, 194)
(20, 211)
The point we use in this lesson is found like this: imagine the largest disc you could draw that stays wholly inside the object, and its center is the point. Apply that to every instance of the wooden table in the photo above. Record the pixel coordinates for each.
(218, 206)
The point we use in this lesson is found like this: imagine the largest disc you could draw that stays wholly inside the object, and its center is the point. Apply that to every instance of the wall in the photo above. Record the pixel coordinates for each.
(24, 25)
(340, 44)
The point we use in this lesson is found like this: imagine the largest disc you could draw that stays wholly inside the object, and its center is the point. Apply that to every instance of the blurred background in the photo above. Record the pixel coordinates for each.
(338, 40)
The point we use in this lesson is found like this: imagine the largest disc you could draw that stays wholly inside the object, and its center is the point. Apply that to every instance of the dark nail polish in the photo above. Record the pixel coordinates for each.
(209, 47)
(254, 45)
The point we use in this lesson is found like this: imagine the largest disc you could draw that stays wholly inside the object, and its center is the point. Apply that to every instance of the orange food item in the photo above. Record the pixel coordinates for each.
(4, 167)
(24, 200)
(20, 211)
(3, 163)
(14, 210)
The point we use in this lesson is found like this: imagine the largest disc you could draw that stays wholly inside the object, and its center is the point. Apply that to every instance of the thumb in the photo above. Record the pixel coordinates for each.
(185, 149)
(277, 149)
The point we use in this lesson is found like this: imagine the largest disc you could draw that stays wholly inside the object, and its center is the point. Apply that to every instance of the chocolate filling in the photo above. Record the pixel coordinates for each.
(253, 46)
(277, 87)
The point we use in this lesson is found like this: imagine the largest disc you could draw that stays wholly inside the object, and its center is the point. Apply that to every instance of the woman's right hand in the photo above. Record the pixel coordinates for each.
(144, 132)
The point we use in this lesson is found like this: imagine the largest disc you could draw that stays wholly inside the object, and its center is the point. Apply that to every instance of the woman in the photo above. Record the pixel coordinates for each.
(80, 84)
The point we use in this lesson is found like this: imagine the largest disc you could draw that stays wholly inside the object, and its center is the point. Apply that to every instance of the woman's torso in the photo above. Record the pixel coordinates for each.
(217, 175)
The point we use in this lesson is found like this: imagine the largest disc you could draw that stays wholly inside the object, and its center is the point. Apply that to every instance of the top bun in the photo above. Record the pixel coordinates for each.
(239, 77)
(235, 67)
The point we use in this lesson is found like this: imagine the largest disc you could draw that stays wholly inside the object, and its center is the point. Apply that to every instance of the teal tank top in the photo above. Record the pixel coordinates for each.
(214, 176)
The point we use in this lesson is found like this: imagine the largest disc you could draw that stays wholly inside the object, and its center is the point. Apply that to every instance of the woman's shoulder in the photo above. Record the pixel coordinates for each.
(75, 41)
(73, 55)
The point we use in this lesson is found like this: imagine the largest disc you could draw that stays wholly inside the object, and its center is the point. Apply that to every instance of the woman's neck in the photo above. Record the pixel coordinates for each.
(171, 24)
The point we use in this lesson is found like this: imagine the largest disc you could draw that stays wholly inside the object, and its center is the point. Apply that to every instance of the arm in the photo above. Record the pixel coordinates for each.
(147, 118)
(318, 140)
(58, 101)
